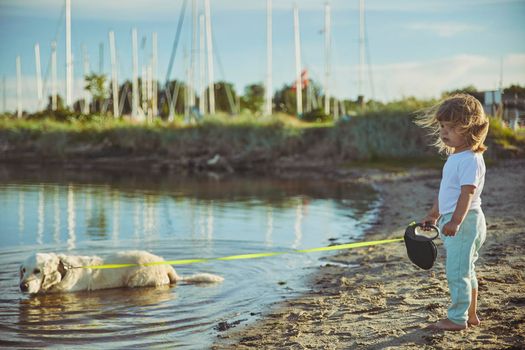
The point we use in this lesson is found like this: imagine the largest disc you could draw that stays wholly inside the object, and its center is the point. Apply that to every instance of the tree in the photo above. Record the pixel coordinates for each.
(96, 85)
(225, 97)
(253, 98)
(284, 100)
(174, 93)
(125, 97)
(60, 103)
(469, 89)
(515, 89)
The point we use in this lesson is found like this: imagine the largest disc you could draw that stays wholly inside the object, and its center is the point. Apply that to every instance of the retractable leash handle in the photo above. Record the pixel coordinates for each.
(421, 250)
(425, 225)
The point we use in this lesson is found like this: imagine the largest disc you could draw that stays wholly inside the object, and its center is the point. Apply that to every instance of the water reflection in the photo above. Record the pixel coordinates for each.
(56, 216)
(71, 224)
(297, 226)
(57, 318)
(115, 201)
(40, 230)
(269, 226)
(209, 219)
(21, 213)
(96, 212)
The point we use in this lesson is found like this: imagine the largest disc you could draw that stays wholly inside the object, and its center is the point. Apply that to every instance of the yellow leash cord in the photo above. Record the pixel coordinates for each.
(246, 256)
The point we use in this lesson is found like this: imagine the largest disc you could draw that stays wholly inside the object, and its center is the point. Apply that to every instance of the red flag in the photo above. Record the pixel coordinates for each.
(304, 80)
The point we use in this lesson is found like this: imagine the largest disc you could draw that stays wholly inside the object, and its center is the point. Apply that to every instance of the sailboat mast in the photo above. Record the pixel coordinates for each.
(191, 78)
(18, 87)
(327, 56)
(149, 92)
(114, 78)
(4, 109)
(69, 62)
(135, 72)
(54, 76)
(38, 69)
(101, 58)
(361, 47)
(154, 73)
(211, 86)
(85, 59)
(187, 89)
(202, 66)
(268, 106)
(299, 82)
(143, 101)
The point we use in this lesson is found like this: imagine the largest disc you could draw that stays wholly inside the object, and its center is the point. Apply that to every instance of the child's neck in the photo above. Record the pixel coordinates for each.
(460, 149)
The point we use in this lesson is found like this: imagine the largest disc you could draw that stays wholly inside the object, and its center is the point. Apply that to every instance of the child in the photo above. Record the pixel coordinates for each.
(462, 127)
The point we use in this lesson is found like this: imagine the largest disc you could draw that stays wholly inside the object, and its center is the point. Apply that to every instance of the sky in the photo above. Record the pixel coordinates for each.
(414, 48)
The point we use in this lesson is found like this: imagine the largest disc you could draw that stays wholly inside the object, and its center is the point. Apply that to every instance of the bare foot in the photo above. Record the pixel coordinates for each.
(447, 325)
(473, 321)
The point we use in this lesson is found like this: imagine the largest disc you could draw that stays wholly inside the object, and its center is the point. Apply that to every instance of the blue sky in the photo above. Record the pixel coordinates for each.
(417, 48)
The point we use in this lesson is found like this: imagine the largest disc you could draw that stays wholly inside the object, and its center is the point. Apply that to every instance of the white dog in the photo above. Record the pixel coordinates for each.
(52, 273)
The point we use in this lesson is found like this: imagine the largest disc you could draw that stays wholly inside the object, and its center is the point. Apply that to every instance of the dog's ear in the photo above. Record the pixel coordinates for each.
(51, 271)
(50, 280)
(61, 269)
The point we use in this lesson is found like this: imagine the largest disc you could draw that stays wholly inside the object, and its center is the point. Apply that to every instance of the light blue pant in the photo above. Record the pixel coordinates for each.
(461, 254)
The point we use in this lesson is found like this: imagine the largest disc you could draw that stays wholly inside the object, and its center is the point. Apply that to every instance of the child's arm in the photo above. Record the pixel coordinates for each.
(462, 206)
(433, 214)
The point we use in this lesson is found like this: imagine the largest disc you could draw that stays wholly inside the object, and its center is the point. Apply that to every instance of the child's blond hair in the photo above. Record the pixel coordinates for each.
(466, 113)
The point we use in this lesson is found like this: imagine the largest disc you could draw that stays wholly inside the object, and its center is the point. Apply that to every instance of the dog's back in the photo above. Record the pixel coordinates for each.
(79, 273)
(139, 276)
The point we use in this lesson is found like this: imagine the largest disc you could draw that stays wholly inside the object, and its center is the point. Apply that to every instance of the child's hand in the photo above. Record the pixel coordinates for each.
(450, 229)
(428, 220)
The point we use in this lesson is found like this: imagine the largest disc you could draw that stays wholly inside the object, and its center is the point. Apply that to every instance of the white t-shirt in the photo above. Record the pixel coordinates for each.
(464, 168)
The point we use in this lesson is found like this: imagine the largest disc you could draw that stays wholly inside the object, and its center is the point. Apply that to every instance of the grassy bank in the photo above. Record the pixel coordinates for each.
(242, 142)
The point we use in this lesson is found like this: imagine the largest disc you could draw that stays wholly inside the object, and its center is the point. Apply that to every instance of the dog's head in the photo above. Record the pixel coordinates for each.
(40, 272)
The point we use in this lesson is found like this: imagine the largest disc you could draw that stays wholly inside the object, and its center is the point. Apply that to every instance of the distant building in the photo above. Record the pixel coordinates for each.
(508, 106)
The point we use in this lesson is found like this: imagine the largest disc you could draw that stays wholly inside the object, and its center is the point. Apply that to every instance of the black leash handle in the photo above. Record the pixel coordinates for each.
(426, 225)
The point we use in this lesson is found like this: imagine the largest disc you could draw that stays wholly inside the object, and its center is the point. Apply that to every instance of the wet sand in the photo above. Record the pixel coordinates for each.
(382, 301)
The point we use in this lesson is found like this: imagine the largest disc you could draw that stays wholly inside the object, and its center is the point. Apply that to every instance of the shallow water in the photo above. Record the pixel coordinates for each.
(174, 217)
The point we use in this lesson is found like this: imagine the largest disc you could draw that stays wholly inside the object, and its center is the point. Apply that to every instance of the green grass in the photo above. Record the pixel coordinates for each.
(505, 138)
(386, 139)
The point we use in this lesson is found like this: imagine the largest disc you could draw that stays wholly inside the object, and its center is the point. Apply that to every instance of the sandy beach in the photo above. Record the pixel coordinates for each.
(381, 301)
